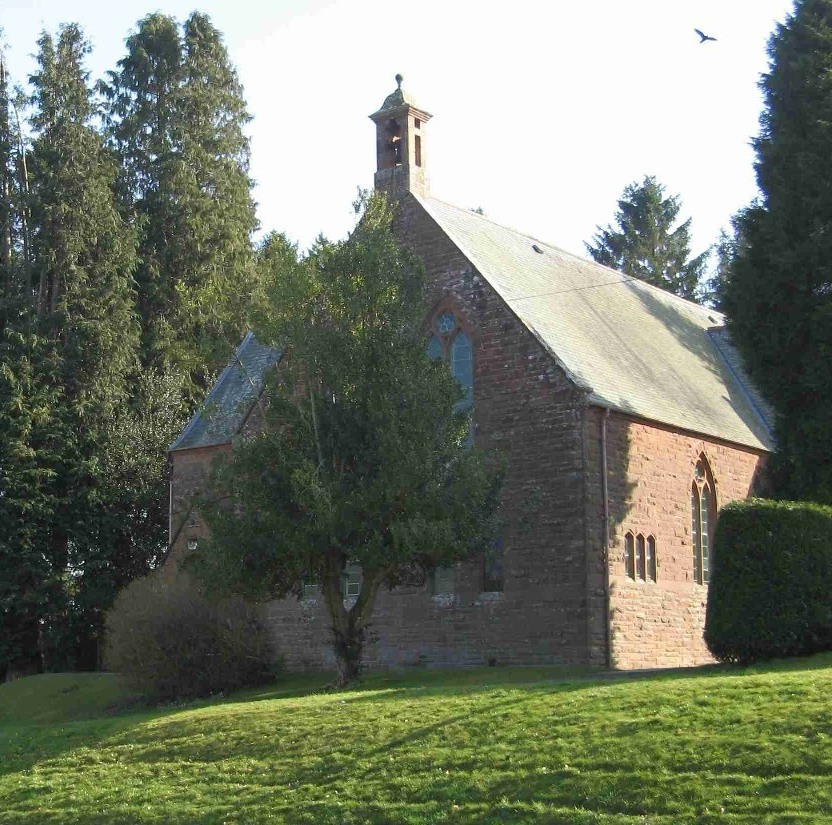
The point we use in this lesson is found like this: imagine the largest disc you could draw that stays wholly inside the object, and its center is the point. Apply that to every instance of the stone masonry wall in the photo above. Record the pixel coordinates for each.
(188, 474)
(650, 472)
(525, 407)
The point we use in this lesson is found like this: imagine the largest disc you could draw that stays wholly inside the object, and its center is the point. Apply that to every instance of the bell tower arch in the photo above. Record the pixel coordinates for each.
(400, 144)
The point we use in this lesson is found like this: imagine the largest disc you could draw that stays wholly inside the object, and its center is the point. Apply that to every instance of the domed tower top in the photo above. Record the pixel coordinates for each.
(400, 148)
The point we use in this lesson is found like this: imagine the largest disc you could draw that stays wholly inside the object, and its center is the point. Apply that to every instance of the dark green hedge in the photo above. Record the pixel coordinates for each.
(770, 592)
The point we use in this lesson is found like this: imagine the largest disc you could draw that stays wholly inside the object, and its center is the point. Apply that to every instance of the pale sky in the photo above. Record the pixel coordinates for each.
(543, 111)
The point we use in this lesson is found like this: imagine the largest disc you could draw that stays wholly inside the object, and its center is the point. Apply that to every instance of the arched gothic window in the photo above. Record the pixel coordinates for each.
(703, 519)
(450, 342)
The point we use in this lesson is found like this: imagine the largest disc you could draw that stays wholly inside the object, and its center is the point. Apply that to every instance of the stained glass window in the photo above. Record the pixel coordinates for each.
(435, 349)
(456, 345)
(462, 366)
(446, 323)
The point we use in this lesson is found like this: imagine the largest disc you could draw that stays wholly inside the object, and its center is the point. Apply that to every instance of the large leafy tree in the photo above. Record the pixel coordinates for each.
(645, 244)
(778, 293)
(361, 459)
(176, 120)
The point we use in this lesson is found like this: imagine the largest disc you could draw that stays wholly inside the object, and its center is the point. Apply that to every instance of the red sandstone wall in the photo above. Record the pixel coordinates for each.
(525, 407)
(188, 473)
(553, 606)
(656, 624)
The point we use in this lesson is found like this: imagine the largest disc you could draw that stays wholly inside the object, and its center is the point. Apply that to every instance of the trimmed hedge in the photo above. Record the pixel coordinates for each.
(770, 592)
(166, 640)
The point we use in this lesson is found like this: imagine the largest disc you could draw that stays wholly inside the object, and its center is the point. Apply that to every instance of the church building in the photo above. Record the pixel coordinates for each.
(626, 419)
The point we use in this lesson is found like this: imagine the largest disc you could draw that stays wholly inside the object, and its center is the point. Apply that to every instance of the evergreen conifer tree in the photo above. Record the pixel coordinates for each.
(778, 293)
(645, 245)
(83, 255)
(177, 119)
(15, 287)
(32, 433)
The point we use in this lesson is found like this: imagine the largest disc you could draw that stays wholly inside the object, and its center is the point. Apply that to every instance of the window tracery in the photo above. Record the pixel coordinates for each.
(450, 342)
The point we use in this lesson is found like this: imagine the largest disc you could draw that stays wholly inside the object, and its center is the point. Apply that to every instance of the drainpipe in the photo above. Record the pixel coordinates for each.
(170, 513)
(605, 555)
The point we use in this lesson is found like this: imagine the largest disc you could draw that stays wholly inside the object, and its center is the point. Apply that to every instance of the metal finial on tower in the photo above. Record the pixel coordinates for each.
(399, 80)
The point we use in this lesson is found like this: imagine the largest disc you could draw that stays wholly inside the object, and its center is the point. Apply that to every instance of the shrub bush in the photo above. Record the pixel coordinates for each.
(770, 592)
(167, 640)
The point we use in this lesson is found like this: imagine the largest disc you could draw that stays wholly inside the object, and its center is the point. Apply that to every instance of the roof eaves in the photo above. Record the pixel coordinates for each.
(606, 404)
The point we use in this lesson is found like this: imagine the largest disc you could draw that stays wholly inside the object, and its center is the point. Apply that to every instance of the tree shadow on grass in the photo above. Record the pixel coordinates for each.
(323, 766)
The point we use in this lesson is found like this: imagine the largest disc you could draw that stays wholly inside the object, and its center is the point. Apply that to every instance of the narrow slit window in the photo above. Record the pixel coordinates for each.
(352, 581)
(703, 511)
(442, 581)
(652, 561)
(706, 533)
(492, 575)
(696, 518)
(417, 150)
(629, 556)
(641, 562)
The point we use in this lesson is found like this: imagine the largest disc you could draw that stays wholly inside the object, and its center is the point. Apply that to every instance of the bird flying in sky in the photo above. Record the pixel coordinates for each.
(704, 36)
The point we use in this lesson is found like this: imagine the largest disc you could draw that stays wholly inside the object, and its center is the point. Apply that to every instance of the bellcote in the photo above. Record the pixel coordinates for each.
(400, 144)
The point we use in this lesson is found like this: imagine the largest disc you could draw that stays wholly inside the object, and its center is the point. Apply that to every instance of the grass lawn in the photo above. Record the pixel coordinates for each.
(486, 746)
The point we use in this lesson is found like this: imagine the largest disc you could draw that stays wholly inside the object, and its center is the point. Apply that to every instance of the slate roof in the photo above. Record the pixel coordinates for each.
(229, 403)
(633, 347)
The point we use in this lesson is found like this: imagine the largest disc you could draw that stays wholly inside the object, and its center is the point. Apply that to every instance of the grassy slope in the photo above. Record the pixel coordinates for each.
(468, 747)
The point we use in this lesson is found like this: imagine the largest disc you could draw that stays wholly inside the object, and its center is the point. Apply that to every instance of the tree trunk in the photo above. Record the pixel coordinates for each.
(349, 647)
(5, 188)
(349, 626)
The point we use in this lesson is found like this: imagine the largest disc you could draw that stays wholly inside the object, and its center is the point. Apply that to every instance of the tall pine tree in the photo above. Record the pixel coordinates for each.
(15, 285)
(83, 256)
(31, 585)
(778, 293)
(177, 119)
(32, 432)
(645, 245)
